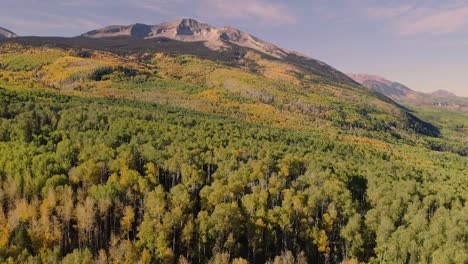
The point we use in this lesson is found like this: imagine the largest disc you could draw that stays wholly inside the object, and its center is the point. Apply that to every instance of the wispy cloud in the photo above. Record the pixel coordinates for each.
(389, 12)
(420, 19)
(164, 7)
(436, 22)
(78, 14)
(261, 11)
(78, 3)
(50, 22)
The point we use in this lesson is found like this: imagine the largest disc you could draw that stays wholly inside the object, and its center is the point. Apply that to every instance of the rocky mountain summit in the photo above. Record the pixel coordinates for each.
(190, 30)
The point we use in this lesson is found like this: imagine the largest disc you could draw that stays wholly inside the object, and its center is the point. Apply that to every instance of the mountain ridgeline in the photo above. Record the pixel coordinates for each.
(225, 40)
(231, 46)
(5, 33)
(190, 30)
(186, 143)
(402, 94)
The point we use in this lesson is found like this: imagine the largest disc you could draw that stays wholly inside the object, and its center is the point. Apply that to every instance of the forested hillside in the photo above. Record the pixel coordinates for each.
(159, 155)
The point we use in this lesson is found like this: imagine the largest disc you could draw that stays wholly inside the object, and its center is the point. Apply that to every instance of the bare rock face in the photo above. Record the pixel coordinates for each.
(5, 33)
(191, 30)
(242, 39)
(140, 30)
(187, 30)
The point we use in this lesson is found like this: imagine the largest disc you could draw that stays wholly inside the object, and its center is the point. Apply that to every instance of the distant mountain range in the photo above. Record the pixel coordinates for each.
(405, 95)
(5, 33)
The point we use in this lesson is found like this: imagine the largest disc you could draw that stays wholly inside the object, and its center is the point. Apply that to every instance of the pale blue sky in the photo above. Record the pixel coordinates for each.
(420, 43)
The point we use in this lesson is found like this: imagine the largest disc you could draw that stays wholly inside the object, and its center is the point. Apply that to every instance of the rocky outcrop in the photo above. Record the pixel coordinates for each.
(191, 30)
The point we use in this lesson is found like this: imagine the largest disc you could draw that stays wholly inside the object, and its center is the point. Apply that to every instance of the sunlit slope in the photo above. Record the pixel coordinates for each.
(254, 87)
(154, 152)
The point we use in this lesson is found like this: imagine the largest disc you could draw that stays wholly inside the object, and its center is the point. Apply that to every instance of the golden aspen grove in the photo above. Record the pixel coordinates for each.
(127, 150)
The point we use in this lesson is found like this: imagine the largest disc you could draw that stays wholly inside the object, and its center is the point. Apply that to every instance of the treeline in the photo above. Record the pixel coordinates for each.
(114, 181)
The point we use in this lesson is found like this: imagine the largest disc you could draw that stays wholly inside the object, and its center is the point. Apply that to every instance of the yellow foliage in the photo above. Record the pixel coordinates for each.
(368, 141)
(323, 243)
(275, 70)
(350, 261)
(210, 94)
(239, 261)
(146, 257)
(127, 220)
(4, 229)
(24, 210)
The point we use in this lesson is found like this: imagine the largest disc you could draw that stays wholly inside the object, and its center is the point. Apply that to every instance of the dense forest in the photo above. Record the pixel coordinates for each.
(117, 163)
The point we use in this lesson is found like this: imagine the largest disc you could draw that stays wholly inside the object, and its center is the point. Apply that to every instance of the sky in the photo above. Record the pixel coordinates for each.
(420, 43)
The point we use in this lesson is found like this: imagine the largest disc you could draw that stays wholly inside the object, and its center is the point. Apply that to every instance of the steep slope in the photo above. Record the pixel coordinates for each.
(405, 95)
(240, 79)
(190, 30)
(187, 36)
(234, 55)
(254, 88)
(362, 78)
(5, 34)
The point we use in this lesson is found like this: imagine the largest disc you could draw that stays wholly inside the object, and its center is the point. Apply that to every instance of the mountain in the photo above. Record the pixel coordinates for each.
(188, 36)
(226, 39)
(190, 30)
(443, 93)
(121, 147)
(405, 95)
(287, 86)
(383, 86)
(5, 33)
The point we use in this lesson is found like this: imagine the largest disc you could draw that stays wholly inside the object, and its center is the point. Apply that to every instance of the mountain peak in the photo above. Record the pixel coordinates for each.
(191, 30)
(191, 23)
(185, 23)
(5, 33)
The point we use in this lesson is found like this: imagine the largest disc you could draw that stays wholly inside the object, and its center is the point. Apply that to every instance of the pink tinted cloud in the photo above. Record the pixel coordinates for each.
(52, 22)
(407, 19)
(436, 22)
(385, 13)
(262, 11)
